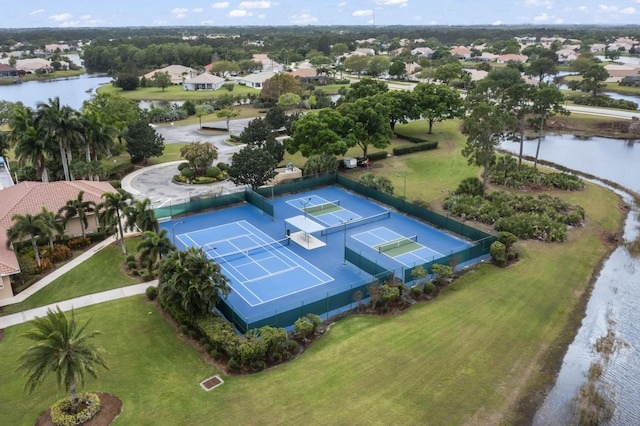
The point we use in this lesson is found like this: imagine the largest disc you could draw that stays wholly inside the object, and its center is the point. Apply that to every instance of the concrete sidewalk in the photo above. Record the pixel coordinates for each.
(78, 302)
(22, 296)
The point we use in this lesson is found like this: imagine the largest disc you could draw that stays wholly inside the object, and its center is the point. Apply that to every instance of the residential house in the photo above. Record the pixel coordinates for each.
(486, 57)
(29, 198)
(205, 81)
(598, 47)
(461, 52)
(56, 47)
(34, 65)
(364, 51)
(255, 80)
(268, 64)
(7, 71)
(177, 73)
(511, 57)
(309, 75)
(618, 72)
(566, 55)
(423, 52)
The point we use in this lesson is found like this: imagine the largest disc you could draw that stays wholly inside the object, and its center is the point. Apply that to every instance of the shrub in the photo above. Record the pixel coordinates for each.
(416, 292)
(407, 149)
(148, 276)
(80, 242)
(441, 272)
(132, 265)
(213, 172)
(131, 258)
(89, 404)
(498, 251)
(183, 166)
(152, 292)
(45, 264)
(429, 287)
(233, 365)
(187, 172)
(184, 329)
(214, 354)
(60, 252)
(375, 156)
(222, 166)
(389, 294)
(471, 186)
(97, 236)
(203, 180)
(303, 327)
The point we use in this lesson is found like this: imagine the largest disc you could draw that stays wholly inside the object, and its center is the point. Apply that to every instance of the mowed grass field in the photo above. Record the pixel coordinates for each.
(474, 355)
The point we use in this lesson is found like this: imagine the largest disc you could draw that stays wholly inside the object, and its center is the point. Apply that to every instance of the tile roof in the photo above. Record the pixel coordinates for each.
(30, 197)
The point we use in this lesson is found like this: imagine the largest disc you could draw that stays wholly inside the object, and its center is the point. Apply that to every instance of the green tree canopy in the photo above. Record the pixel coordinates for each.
(357, 63)
(321, 133)
(252, 166)
(438, 102)
(143, 142)
(278, 85)
(366, 87)
(190, 282)
(200, 156)
(370, 126)
(161, 80)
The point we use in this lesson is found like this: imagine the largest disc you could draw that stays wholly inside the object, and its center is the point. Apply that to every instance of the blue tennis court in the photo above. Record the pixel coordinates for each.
(379, 236)
(262, 269)
(275, 280)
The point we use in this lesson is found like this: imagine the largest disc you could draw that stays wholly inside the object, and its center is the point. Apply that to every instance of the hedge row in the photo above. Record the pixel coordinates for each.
(380, 155)
(407, 149)
(410, 138)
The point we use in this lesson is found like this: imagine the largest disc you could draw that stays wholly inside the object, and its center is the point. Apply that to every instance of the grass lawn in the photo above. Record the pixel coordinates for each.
(474, 355)
(101, 272)
(465, 358)
(174, 93)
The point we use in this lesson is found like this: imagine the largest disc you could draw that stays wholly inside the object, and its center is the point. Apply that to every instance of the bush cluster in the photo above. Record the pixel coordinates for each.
(506, 172)
(79, 242)
(540, 217)
(604, 101)
(379, 155)
(60, 252)
(407, 149)
(89, 404)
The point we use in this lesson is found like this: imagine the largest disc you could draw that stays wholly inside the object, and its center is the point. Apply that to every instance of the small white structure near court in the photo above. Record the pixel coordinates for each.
(306, 227)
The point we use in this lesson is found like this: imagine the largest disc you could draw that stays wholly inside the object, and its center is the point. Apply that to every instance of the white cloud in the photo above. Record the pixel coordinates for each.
(605, 8)
(628, 10)
(402, 3)
(548, 4)
(198, 10)
(85, 17)
(179, 12)
(35, 12)
(256, 5)
(542, 18)
(367, 12)
(303, 19)
(583, 8)
(61, 17)
(237, 13)
(220, 5)
(344, 3)
(498, 22)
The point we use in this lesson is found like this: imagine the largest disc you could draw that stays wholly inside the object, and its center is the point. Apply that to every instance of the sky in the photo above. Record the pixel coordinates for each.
(123, 13)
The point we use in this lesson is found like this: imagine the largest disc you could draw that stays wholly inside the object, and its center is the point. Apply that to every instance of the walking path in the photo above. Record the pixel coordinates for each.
(78, 302)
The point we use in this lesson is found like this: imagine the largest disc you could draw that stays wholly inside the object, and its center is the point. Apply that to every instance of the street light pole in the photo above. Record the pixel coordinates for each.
(404, 191)
(173, 232)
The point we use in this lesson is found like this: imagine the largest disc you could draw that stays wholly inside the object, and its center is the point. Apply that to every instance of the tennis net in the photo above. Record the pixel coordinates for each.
(331, 206)
(357, 222)
(397, 243)
(235, 255)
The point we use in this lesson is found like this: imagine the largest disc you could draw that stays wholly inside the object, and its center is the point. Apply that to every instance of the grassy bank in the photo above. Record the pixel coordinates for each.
(174, 93)
(472, 356)
(44, 77)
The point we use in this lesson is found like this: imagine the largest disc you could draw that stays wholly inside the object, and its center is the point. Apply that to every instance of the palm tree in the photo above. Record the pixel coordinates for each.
(60, 124)
(190, 282)
(53, 225)
(27, 226)
(98, 138)
(61, 347)
(114, 208)
(141, 216)
(78, 208)
(154, 247)
(30, 144)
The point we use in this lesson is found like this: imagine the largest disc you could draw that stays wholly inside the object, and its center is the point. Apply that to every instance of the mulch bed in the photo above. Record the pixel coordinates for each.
(111, 407)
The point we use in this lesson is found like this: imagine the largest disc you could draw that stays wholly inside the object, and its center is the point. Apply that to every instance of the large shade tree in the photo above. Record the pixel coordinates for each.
(252, 166)
(321, 133)
(190, 282)
(61, 347)
(370, 123)
(438, 102)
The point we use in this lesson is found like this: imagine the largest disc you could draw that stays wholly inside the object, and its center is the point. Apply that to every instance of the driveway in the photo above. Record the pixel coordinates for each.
(155, 182)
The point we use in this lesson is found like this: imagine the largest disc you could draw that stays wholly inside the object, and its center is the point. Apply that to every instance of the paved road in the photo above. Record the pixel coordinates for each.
(603, 112)
(156, 182)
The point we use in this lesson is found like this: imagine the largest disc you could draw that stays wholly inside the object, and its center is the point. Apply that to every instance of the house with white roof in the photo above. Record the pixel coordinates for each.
(205, 81)
(177, 73)
(255, 80)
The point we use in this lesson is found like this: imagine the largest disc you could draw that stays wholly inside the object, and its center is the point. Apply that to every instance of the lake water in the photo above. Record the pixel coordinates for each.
(72, 91)
(616, 294)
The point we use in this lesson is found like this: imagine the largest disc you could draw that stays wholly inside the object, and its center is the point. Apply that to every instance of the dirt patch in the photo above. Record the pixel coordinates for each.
(110, 408)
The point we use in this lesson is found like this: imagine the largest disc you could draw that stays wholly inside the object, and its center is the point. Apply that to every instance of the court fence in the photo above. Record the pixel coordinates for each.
(211, 202)
(323, 305)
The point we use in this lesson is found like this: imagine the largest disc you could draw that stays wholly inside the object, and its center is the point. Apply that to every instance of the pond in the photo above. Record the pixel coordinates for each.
(72, 91)
(616, 293)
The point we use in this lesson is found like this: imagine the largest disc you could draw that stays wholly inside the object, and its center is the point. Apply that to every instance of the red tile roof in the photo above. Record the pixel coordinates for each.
(30, 197)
